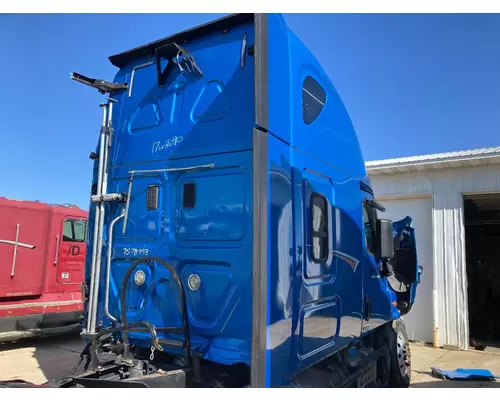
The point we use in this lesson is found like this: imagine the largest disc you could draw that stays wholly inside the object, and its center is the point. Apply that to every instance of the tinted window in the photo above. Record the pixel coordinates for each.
(75, 230)
(369, 221)
(319, 222)
(313, 99)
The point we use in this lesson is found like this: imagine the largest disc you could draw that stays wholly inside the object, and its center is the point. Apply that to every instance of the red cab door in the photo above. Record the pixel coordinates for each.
(71, 250)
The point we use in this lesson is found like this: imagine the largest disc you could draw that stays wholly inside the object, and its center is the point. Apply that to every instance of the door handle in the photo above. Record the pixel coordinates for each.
(56, 258)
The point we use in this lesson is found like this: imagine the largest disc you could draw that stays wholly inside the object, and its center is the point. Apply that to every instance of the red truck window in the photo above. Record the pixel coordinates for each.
(74, 230)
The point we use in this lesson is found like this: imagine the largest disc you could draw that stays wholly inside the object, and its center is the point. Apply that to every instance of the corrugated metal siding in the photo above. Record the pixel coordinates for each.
(446, 188)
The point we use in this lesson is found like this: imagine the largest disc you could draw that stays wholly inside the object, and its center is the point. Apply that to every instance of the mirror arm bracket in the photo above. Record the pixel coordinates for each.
(376, 204)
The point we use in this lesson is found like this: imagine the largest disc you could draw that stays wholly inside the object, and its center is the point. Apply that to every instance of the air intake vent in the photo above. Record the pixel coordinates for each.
(189, 200)
(152, 198)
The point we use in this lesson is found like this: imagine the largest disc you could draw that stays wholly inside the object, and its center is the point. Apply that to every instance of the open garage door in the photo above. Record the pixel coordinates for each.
(482, 236)
(419, 319)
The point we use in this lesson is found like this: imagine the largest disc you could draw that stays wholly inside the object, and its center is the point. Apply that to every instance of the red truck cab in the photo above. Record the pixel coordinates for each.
(42, 260)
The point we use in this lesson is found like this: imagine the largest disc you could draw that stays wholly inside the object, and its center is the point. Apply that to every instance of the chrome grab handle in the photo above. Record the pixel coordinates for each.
(108, 267)
(56, 258)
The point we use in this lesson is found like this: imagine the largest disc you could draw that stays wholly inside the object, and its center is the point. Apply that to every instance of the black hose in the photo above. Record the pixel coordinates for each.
(134, 327)
(123, 301)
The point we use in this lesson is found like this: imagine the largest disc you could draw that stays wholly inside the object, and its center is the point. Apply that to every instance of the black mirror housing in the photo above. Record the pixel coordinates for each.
(384, 241)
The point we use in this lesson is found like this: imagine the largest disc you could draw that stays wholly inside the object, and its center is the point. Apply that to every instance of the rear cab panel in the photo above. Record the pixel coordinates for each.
(200, 220)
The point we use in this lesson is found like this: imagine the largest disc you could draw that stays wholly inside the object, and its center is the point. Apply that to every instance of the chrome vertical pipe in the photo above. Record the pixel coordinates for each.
(100, 235)
(102, 137)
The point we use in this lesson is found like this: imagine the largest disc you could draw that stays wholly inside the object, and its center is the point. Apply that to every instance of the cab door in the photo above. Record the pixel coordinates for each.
(71, 247)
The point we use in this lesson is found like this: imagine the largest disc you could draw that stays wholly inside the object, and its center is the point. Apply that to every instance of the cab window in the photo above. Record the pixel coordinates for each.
(319, 225)
(75, 230)
(369, 221)
(313, 100)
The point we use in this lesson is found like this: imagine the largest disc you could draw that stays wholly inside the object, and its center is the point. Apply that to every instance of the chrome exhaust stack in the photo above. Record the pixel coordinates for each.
(97, 210)
(100, 232)
(99, 199)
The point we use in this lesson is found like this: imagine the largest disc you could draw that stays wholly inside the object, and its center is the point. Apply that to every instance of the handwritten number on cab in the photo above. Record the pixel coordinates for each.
(135, 252)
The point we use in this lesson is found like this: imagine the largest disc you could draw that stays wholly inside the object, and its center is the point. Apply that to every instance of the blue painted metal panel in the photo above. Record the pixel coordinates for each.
(324, 301)
(331, 137)
(316, 309)
(187, 122)
(282, 274)
(213, 241)
(280, 88)
(187, 116)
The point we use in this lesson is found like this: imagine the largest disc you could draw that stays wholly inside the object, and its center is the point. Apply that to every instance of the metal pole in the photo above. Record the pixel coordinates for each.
(90, 313)
(100, 233)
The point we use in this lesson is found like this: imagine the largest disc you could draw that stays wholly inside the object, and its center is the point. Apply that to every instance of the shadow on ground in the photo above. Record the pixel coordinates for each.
(38, 360)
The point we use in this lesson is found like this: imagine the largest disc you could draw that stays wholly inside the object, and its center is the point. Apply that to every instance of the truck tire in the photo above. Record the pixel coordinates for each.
(400, 372)
(394, 367)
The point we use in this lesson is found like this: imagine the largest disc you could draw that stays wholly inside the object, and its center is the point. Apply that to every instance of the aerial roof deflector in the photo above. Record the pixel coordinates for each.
(148, 50)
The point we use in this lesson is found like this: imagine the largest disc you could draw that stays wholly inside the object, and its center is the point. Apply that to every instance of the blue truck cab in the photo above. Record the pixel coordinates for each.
(234, 237)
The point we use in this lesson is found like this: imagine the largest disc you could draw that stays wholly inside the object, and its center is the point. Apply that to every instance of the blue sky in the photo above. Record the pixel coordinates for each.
(412, 84)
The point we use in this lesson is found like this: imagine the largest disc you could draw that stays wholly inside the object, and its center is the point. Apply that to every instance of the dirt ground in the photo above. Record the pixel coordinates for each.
(39, 360)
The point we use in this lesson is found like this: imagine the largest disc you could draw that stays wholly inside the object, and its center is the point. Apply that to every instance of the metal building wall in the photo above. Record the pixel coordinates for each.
(447, 187)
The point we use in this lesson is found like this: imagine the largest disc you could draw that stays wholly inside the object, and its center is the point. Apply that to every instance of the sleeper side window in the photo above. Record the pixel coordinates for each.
(313, 99)
(319, 225)
(369, 221)
(75, 230)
